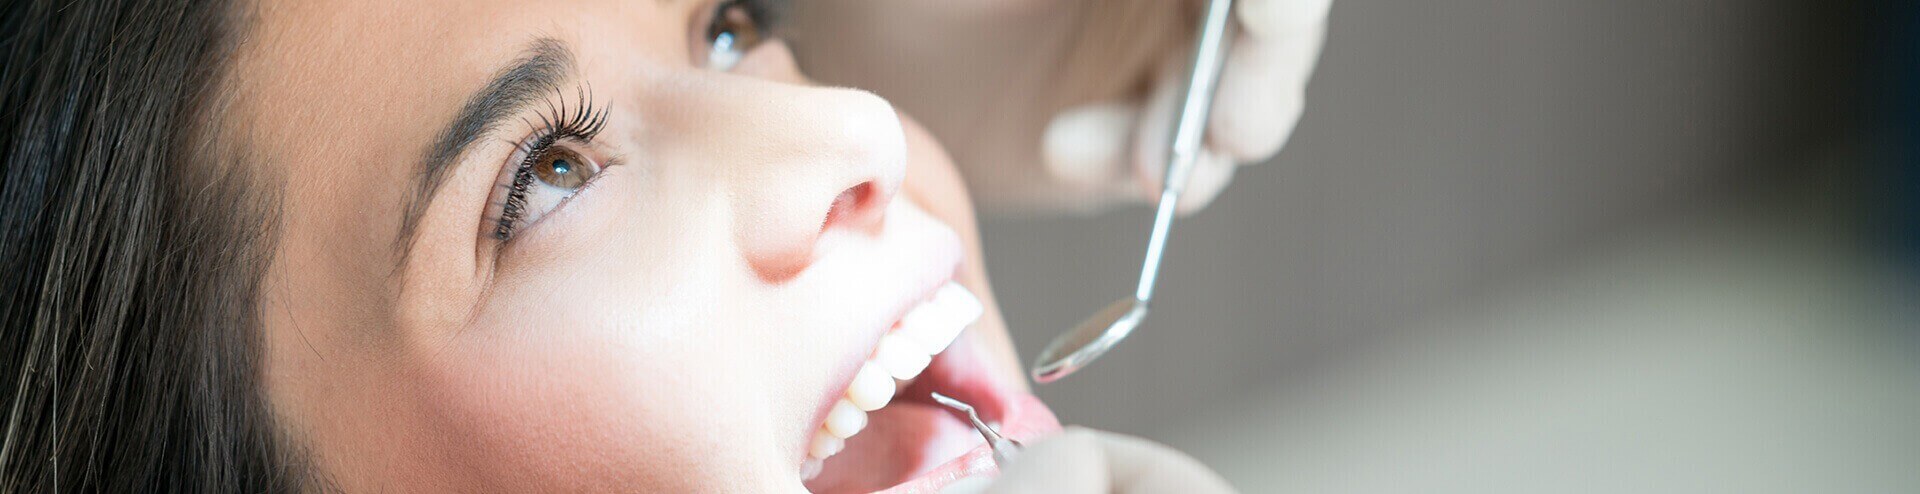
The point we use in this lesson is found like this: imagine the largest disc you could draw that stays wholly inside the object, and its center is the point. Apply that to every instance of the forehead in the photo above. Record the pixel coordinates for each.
(312, 72)
(340, 99)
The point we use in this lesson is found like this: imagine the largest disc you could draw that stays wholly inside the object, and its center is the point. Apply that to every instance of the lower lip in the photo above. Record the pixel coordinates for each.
(1025, 419)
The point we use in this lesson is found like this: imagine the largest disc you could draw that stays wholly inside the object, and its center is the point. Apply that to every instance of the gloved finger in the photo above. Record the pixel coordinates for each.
(1211, 172)
(1094, 147)
(1140, 466)
(1086, 146)
(1067, 463)
(1275, 18)
(1101, 145)
(1086, 461)
(1209, 178)
(1260, 96)
(1153, 130)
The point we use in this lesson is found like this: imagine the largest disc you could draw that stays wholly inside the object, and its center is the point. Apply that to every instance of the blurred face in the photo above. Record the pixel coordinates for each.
(609, 246)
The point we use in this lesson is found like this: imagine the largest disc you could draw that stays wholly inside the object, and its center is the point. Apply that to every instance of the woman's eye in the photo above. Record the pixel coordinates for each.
(735, 29)
(540, 184)
(563, 169)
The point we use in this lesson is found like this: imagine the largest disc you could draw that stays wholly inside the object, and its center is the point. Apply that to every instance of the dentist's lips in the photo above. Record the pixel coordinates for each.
(914, 445)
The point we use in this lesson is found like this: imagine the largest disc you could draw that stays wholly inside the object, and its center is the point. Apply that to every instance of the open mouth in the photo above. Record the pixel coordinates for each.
(886, 434)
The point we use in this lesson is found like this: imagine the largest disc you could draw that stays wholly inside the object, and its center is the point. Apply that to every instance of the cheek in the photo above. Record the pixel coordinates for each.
(561, 386)
(936, 186)
(934, 183)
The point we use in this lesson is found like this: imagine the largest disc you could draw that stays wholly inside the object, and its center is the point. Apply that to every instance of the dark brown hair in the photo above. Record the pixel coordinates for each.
(134, 245)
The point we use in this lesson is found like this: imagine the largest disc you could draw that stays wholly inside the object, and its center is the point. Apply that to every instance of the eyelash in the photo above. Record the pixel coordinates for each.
(581, 123)
(560, 122)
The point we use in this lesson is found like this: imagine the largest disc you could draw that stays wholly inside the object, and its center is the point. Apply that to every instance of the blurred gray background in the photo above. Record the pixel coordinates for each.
(1543, 245)
(1445, 144)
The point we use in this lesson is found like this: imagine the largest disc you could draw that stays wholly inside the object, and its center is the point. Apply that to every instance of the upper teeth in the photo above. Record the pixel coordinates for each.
(901, 355)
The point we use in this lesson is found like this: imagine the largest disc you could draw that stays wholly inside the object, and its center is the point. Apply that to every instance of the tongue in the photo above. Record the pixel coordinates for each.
(900, 442)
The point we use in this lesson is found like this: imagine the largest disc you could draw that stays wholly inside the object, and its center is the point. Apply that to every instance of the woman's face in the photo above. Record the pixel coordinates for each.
(606, 246)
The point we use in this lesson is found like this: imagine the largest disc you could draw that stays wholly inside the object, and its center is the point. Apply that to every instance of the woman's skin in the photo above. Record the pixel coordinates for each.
(680, 324)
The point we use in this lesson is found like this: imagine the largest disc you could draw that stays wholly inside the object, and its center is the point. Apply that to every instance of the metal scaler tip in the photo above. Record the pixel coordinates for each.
(1004, 448)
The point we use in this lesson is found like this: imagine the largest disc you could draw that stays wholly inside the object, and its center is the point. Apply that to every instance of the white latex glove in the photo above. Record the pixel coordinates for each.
(1087, 461)
(1121, 146)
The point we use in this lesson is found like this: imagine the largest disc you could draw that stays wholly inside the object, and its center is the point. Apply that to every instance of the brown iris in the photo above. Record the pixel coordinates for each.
(562, 168)
(737, 22)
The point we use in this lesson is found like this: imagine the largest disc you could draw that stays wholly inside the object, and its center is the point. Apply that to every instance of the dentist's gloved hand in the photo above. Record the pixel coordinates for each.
(1068, 104)
(1121, 145)
(1086, 461)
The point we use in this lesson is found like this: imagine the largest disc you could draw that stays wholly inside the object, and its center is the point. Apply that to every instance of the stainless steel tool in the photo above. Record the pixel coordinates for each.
(1004, 448)
(1100, 332)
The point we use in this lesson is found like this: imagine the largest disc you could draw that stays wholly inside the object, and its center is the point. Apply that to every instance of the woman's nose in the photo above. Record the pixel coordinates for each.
(803, 166)
(834, 160)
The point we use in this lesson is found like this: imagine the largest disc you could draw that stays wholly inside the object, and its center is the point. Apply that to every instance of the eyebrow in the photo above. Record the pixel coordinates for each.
(547, 64)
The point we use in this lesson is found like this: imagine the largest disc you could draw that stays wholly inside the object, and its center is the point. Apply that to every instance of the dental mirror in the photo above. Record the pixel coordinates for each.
(1089, 340)
(1100, 332)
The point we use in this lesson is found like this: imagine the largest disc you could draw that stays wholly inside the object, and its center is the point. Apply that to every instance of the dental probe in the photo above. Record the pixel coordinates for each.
(1004, 448)
(1101, 331)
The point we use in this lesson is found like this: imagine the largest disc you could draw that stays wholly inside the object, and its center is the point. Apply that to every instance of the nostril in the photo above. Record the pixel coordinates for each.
(849, 205)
